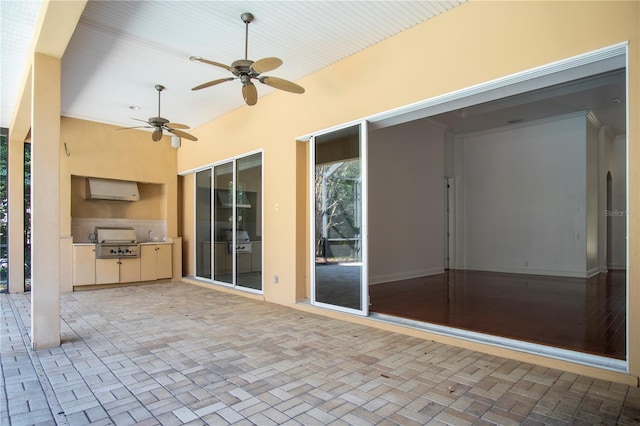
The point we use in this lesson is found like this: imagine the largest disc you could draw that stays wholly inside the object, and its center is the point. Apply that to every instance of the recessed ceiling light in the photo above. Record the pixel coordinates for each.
(134, 107)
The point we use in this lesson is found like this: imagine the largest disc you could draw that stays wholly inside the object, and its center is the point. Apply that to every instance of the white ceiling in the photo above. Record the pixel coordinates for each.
(121, 49)
(17, 21)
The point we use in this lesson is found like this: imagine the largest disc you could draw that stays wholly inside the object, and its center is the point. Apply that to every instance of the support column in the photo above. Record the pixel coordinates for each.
(45, 202)
(15, 231)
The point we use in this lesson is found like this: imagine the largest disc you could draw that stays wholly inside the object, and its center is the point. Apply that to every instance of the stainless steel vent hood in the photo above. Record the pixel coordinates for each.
(111, 189)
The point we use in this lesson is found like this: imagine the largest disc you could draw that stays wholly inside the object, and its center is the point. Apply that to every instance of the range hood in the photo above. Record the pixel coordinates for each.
(111, 189)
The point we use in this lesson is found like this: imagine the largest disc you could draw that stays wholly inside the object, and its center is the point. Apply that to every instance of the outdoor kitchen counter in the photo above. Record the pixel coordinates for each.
(154, 263)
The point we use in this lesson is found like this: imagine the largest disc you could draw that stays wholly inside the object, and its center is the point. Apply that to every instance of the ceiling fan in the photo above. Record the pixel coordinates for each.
(158, 124)
(246, 70)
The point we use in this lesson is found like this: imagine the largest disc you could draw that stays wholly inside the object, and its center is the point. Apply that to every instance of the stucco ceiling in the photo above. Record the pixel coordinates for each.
(121, 49)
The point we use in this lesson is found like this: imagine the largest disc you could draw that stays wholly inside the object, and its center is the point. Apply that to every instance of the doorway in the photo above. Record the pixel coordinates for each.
(339, 220)
(511, 103)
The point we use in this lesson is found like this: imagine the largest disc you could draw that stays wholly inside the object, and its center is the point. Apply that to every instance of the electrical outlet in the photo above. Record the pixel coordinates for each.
(276, 279)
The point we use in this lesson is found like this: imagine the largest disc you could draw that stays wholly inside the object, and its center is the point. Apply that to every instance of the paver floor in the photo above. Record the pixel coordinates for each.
(175, 353)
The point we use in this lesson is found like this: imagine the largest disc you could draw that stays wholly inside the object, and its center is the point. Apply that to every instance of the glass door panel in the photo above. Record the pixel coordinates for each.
(248, 243)
(203, 224)
(339, 223)
(223, 223)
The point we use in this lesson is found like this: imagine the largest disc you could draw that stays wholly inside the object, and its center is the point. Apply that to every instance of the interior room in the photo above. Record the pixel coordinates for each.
(503, 218)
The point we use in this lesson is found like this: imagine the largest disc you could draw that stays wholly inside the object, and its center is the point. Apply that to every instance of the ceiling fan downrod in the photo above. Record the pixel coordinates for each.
(247, 18)
(159, 88)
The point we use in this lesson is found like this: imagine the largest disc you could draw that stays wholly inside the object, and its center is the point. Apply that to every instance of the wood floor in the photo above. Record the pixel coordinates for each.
(585, 315)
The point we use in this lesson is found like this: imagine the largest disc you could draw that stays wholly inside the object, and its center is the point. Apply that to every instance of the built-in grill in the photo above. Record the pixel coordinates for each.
(243, 242)
(116, 243)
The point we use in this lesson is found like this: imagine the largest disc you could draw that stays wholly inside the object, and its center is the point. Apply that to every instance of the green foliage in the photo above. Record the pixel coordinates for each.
(337, 199)
(3, 211)
(4, 204)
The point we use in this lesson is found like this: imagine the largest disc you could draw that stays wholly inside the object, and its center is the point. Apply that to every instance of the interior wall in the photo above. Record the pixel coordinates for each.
(619, 212)
(592, 194)
(524, 198)
(406, 201)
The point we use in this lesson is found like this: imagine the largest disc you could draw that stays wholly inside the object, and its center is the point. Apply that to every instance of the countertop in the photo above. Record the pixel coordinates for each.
(87, 243)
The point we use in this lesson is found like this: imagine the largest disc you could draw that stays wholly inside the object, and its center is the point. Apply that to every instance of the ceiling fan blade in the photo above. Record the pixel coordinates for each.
(134, 127)
(282, 84)
(250, 93)
(182, 134)
(137, 119)
(157, 134)
(176, 126)
(213, 83)
(266, 64)
(207, 61)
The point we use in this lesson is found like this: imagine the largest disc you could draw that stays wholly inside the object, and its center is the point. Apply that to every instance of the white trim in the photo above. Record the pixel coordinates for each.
(505, 343)
(216, 163)
(587, 115)
(534, 271)
(626, 137)
(405, 275)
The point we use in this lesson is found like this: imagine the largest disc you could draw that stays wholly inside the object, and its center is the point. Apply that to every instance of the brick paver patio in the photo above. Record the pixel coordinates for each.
(175, 353)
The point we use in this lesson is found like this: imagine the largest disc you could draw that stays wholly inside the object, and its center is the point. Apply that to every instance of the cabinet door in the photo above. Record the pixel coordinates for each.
(84, 265)
(129, 270)
(147, 263)
(164, 261)
(107, 271)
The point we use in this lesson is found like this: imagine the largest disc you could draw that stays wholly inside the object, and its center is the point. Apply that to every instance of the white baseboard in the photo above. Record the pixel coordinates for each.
(405, 275)
(534, 271)
(617, 266)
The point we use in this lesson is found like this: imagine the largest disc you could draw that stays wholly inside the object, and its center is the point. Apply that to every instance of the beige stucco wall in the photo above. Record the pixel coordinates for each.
(99, 150)
(471, 44)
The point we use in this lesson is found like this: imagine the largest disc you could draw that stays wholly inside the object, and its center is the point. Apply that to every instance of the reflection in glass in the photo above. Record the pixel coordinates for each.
(223, 221)
(338, 219)
(203, 224)
(248, 222)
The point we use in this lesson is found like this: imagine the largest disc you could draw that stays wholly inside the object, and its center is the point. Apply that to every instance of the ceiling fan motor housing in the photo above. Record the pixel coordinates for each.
(158, 121)
(243, 67)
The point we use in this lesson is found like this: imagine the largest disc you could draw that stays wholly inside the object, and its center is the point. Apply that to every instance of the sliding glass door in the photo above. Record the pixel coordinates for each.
(339, 220)
(248, 244)
(229, 223)
(203, 224)
(223, 223)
